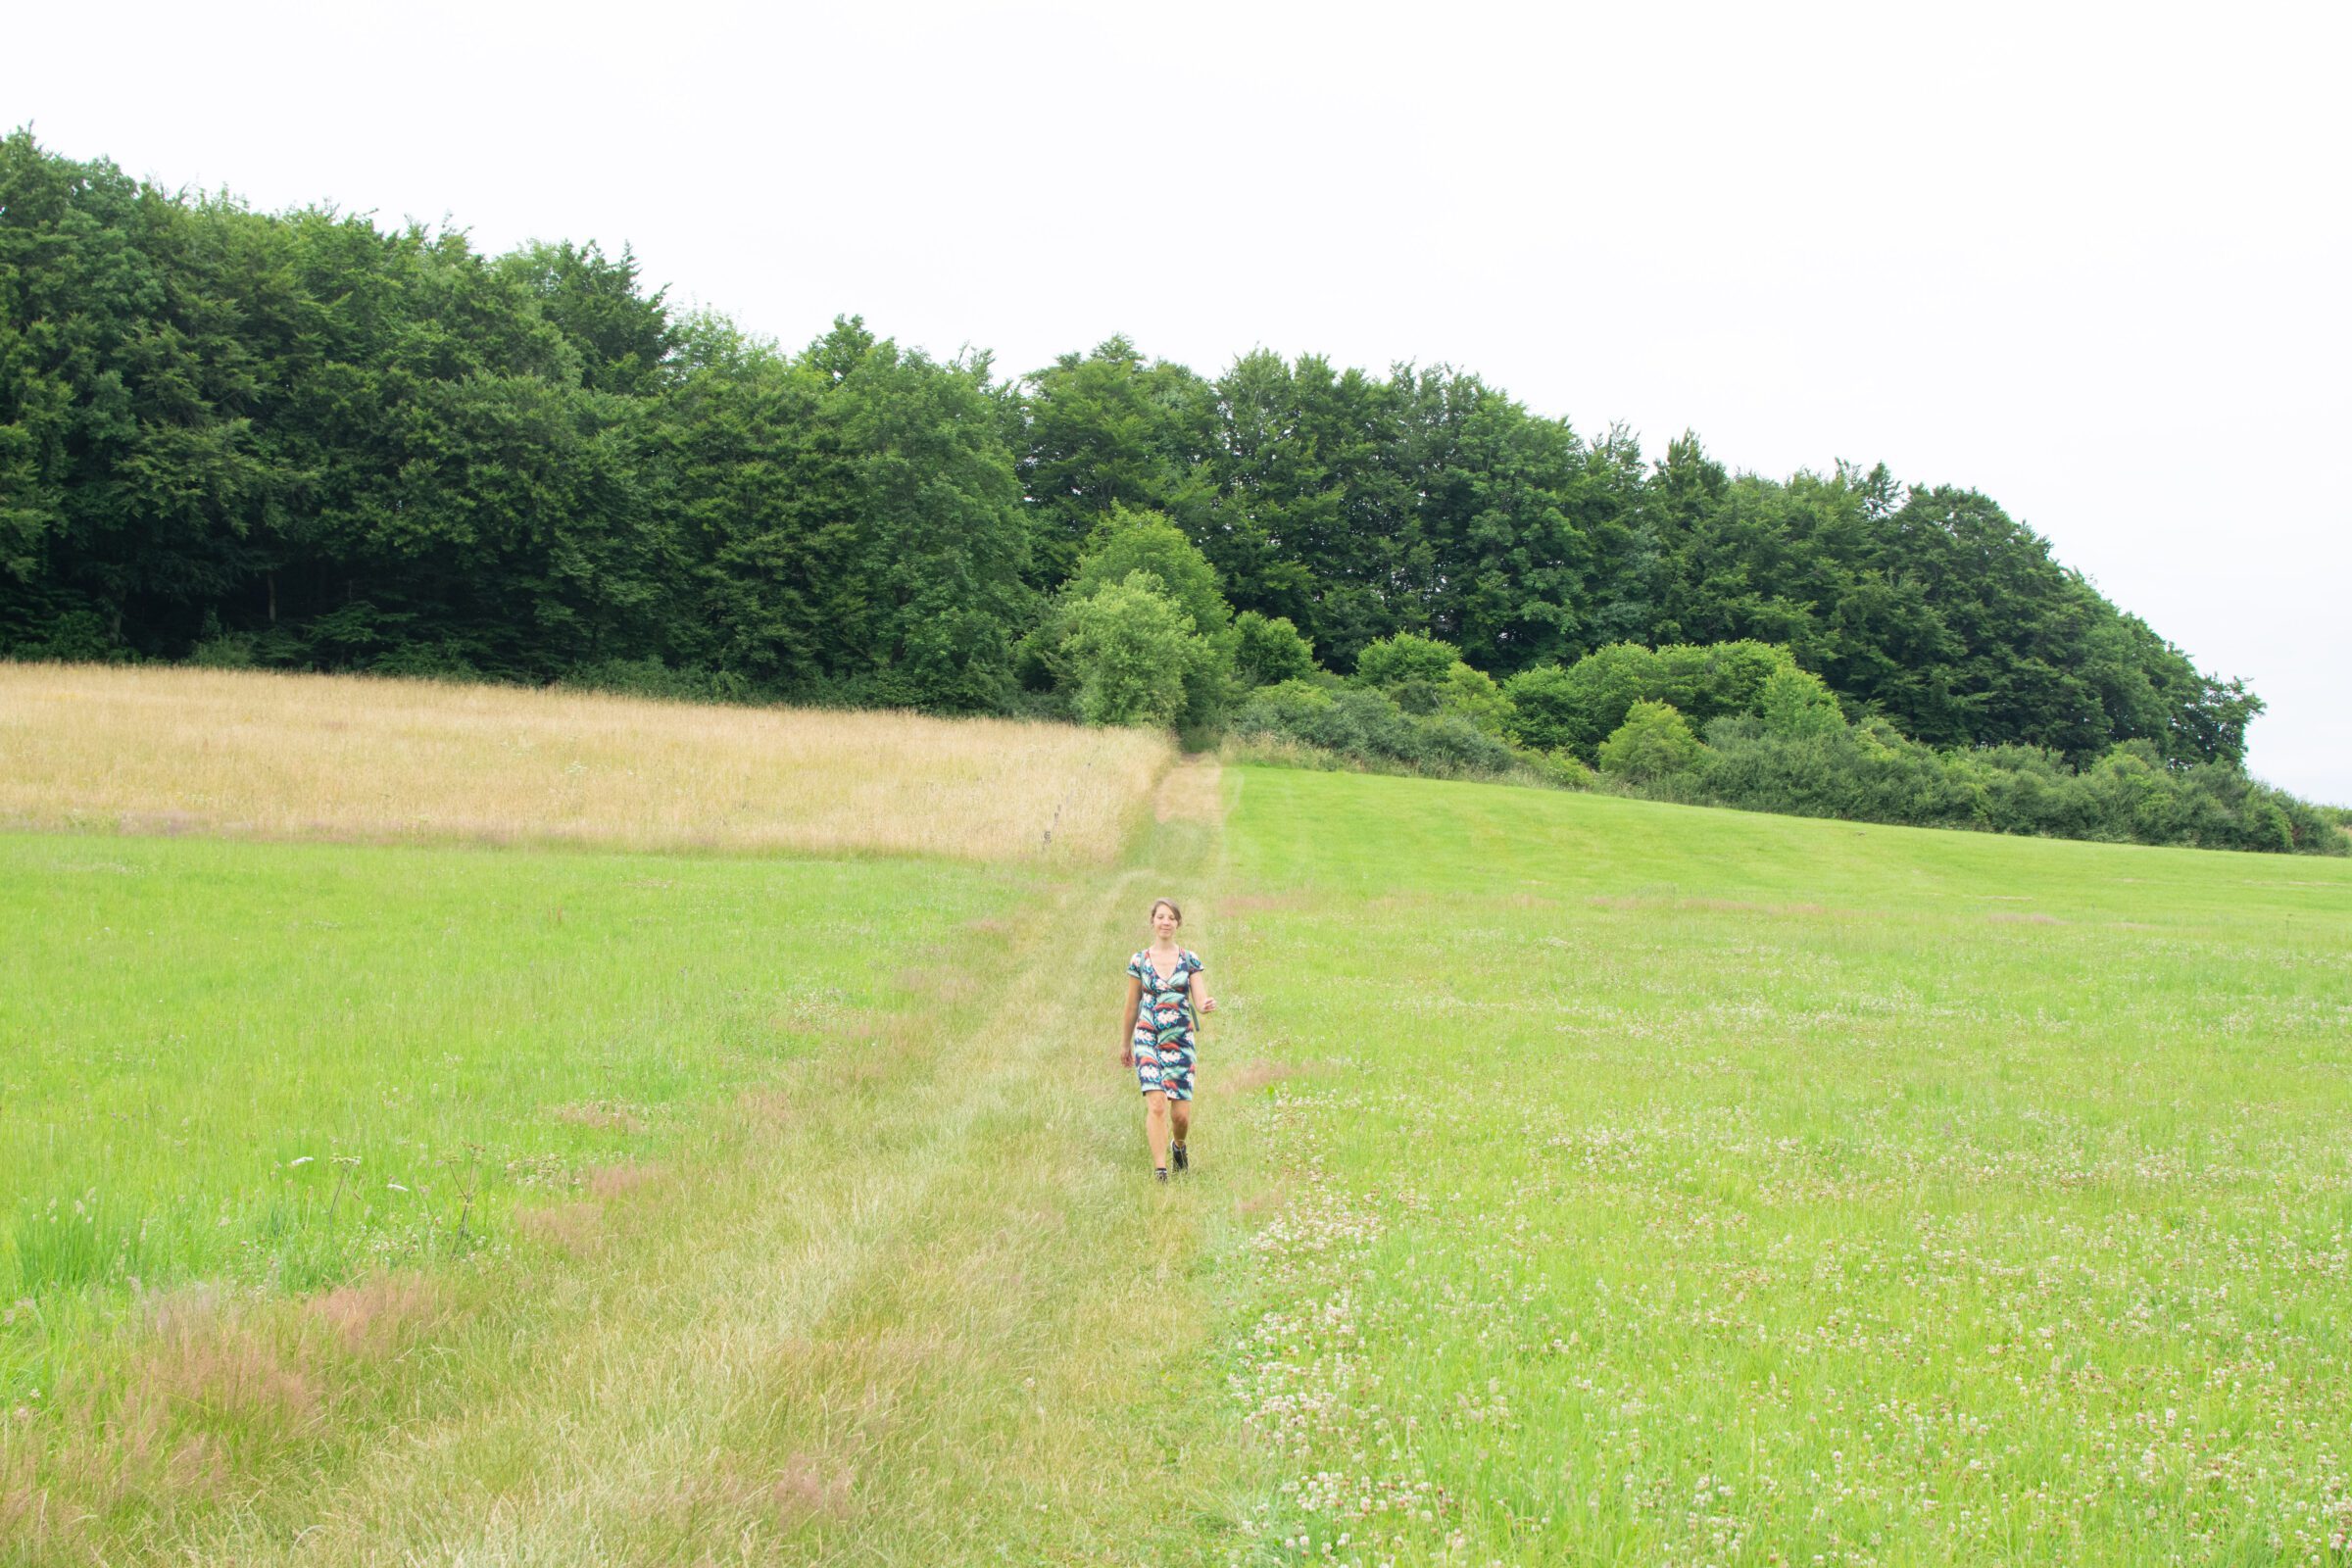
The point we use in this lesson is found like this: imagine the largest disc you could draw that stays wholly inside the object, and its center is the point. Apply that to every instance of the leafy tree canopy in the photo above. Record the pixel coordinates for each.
(299, 440)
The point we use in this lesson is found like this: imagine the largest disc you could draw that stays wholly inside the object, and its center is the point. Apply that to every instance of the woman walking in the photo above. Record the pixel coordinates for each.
(1165, 996)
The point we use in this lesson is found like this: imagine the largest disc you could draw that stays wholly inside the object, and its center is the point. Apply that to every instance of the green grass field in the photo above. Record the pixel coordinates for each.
(1693, 1187)
(212, 1041)
(1581, 1180)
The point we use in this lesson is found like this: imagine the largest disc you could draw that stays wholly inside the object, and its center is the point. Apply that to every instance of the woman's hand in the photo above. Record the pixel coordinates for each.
(1127, 1054)
(1208, 1004)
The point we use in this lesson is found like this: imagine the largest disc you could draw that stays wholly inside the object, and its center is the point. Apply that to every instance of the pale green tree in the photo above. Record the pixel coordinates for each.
(1655, 742)
(1134, 653)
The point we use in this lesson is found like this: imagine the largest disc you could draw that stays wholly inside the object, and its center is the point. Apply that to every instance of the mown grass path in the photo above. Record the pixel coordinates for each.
(916, 1302)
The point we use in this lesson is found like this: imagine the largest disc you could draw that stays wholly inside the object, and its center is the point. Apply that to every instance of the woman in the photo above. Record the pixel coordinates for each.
(1166, 997)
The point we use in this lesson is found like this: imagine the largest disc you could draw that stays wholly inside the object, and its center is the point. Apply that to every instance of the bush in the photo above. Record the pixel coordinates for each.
(1578, 705)
(1368, 728)
(1128, 542)
(1795, 755)
(1135, 653)
(1708, 681)
(1794, 702)
(1123, 546)
(649, 677)
(1562, 770)
(1654, 743)
(1427, 679)
(1873, 773)
(230, 650)
(1393, 661)
(75, 637)
(1471, 696)
(1268, 651)
(1547, 709)
(1552, 706)
(434, 660)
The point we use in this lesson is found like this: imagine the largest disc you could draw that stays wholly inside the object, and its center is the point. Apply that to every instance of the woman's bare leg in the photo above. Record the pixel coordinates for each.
(1156, 1127)
(1180, 1117)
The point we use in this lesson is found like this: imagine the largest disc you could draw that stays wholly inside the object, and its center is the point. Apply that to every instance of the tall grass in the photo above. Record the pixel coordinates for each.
(276, 755)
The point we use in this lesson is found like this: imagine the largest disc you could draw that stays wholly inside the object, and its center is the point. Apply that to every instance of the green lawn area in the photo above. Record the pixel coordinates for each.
(1699, 1187)
(1578, 1180)
(202, 1039)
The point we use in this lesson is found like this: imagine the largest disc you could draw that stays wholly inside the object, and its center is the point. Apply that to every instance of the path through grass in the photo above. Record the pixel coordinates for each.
(911, 1299)
(1583, 1180)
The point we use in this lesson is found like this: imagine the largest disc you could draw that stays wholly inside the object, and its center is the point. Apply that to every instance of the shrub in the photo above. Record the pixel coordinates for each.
(1546, 707)
(1707, 680)
(1427, 679)
(1267, 651)
(1576, 706)
(1794, 702)
(75, 637)
(433, 660)
(649, 677)
(1128, 542)
(1125, 544)
(1562, 770)
(1368, 728)
(1871, 772)
(1393, 661)
(1135, 653)
(230, 650)
(1653, 742)
(1471, 696)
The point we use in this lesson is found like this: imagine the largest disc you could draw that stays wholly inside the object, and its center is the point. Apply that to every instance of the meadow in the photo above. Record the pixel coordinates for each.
(279, 1064)
(554, 1203)
(1579, 1179)
(1680, 1186)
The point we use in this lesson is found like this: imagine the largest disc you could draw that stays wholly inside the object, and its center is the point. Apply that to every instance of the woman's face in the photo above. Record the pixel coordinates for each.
(1165, 924)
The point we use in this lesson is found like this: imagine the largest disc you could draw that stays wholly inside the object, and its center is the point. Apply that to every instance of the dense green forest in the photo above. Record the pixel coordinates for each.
(300, 441)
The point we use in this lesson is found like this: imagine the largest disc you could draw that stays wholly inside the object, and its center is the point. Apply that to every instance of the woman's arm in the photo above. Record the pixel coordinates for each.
(1135, 1003)
(1203, 1002)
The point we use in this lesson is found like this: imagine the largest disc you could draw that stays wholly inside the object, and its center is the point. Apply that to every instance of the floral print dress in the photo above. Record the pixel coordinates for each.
(1165, 1045)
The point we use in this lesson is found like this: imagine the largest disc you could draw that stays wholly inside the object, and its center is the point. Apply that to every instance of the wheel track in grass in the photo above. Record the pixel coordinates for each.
(921, 1305)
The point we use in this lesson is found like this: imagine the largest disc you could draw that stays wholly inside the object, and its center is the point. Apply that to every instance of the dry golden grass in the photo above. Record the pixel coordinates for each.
(372, 1316)
(273, 755)
(1194, 791)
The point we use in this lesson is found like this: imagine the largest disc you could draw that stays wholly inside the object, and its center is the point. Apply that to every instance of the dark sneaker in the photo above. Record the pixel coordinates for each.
(1160, 1173)
(1180, 1163)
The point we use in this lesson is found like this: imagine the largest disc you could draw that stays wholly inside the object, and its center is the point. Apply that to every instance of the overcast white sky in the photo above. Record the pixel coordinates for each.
(2090, 260)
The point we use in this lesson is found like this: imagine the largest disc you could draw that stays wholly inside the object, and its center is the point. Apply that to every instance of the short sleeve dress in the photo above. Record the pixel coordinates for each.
(1165, 1046)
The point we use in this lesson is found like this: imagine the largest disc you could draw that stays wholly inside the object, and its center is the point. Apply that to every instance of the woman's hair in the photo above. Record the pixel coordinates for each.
(1170, 905)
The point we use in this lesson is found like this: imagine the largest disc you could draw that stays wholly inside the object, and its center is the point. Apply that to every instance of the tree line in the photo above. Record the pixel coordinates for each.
(1740, 724)
(300, 440)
